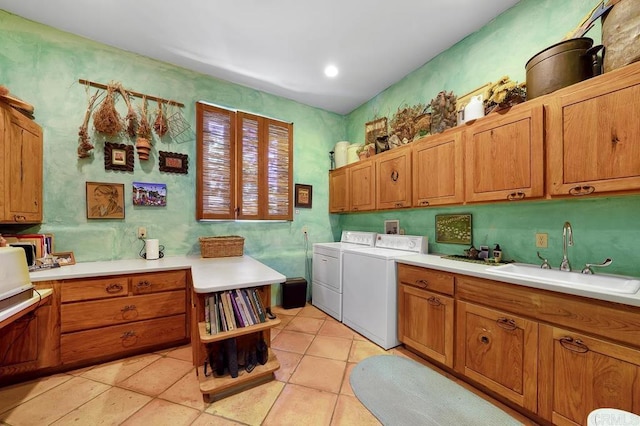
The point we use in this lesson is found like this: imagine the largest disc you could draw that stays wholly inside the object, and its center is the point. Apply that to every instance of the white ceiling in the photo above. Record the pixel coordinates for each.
(278, 46)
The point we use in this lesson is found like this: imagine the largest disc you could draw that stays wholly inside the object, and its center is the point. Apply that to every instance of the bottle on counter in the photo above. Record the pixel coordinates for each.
(497, 253)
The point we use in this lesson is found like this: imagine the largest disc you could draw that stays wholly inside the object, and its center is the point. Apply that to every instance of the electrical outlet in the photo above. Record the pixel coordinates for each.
(142, 232)
(305, 230)
(541, 240)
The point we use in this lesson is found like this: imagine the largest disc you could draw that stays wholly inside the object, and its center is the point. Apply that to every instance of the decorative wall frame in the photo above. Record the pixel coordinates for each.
(453, 228)
(173, 162)
(304, 195)
(149, 194)
(64, 258)
(105, 200)
(375, 129)
(392, 227)
(118, 156)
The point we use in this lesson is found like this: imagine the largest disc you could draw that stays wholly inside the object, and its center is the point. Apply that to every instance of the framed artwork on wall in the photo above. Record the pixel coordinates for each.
(105, 200)
(392, 227)
(303, 196)
(118, 156)
(453, 228)
(149, 194)
(173, 162)
(64, 258)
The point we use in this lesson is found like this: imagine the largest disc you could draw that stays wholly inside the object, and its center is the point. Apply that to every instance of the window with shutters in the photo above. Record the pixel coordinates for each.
(244, 166)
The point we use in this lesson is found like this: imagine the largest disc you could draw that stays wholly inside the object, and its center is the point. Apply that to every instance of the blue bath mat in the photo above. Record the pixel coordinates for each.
(400, 391)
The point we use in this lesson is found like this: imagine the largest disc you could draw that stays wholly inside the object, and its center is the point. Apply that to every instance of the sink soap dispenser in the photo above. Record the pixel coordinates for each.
(497, 253)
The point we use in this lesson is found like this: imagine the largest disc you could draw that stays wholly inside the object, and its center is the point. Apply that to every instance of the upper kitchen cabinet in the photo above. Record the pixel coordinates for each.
(20, 167)
(594, 136)
(338, 191)
(438, 169)
(504, 155)
(362, 186)
(393, 179)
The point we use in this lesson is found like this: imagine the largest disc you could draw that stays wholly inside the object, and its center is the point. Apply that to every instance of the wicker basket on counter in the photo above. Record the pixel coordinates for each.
(223, 246)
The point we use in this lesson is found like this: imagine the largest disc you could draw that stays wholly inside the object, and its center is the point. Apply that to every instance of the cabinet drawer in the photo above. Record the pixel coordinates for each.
(159, 281)
(100, 313)
(430, 279)
(90, 344)
(99, 288)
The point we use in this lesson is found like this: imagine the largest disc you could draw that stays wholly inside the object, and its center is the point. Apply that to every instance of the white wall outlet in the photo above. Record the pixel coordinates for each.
(142, 232)
(541, 240)
(305, 230)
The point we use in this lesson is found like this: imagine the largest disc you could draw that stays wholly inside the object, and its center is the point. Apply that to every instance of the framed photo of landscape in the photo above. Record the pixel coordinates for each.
(453, 228)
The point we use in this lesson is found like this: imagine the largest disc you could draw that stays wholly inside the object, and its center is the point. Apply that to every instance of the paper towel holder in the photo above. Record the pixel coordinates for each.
(143, 252)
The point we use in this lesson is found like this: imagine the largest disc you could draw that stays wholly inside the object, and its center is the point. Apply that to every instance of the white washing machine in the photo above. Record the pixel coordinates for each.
(370, 296)
(326, 283)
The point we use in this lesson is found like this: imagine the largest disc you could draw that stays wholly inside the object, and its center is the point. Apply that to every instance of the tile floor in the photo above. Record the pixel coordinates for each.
(316, 354)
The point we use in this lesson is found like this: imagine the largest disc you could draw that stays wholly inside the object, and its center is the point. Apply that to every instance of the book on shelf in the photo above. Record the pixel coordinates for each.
(247, 302)
(237, 310)
(244, 307)
(221, 312)
(231, 309)
(231, 318)
(262, 312)
(207, 316)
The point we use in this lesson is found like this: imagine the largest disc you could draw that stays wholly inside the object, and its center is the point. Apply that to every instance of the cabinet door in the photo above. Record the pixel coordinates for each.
(425, 323)
(438, 170)
(594, 139)
(338, 194)
(362, 186)
(499, 351)
(504, 156)
(23, 168)
(580, 374)
(393, 179)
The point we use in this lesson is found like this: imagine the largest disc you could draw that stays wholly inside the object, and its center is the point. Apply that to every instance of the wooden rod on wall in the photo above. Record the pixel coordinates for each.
(132, 93)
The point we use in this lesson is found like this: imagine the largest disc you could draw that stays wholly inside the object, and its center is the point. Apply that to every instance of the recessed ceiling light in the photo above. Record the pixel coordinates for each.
(331, 71)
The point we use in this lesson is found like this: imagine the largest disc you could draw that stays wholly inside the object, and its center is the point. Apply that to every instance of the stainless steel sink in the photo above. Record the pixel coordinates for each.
(602, 283)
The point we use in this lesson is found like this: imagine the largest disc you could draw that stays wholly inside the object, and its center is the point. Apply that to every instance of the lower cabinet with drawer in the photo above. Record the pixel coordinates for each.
(106, 317)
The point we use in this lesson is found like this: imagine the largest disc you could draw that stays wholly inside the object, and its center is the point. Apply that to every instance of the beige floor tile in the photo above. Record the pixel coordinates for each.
(304, 325)
(312, 311)
(49, 406)
(20, 393)
(278, 310)
(346, 384)
(109, 408)
(292, 341)
(336, 329)
(184, 353)
(163, 413)
(319, 373)
(288, 363)
(115, 372)
(350, 411)
(275, 332)
(206, 419)
(186, 391)
(330, 347)
(248, 407)
(284, 320)
(299, 405)
(157, 376)
(364, 349)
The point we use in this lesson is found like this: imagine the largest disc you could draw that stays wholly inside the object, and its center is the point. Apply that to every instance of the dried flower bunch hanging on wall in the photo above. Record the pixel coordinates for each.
(160, 124)
(131, 119)
(107, 119)
(84, 141)
(143, 142)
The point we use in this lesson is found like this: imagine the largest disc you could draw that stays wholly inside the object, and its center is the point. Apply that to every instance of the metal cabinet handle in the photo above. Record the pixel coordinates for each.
(128, 308)
(422, 283)
(395, 175)
(143, 285)
(128, 335)
(485, 340)
(19, 218)
(434, 301)
(114, 288)
(514, 196)
(399, 204)
(506, 323)
(424, 203)
(574, 345)
(582, 190)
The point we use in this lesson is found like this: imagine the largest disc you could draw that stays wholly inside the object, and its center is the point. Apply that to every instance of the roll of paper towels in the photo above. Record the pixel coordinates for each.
(153, 249)
(341, 153)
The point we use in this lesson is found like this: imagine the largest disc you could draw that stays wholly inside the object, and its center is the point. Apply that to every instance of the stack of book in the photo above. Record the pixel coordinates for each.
(231, 309)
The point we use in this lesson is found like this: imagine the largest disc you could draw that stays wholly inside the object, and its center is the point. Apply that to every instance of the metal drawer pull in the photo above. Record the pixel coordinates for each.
(422, 283)
(114, 288)
(582, 190)
(395, 175)
(128, 335)
(399, 204)
(485, 340)
(506, 323)
(515, 196)
(143, 284)
(128, 308)
(434, 301)
(424, 203)
(574, 345)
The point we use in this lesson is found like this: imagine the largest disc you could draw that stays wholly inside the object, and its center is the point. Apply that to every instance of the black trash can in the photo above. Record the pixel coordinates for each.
(294, 293)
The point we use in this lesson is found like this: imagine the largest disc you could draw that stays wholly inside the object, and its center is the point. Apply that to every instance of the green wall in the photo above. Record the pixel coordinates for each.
(603, 227)
(42, 66)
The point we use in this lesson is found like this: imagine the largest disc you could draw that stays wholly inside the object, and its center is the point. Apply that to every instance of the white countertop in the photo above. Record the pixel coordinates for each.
(479, 270)
(38, 295)
(208, 274)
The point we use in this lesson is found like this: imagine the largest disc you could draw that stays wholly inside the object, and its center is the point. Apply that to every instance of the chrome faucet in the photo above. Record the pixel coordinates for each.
(567, 239)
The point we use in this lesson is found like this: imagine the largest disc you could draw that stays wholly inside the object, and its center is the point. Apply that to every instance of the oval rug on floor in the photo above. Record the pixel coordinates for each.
(400, 391)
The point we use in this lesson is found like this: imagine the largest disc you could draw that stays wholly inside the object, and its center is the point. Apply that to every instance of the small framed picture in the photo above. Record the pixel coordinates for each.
(118, 157)
(303, 195)
(149, 194)
(453, 228)
(105, 200)
(173, 162)
(392, 227)
(64, 258)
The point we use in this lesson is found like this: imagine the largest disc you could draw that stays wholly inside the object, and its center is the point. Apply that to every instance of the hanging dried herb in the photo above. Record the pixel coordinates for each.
(160, 124)
(84, 141)
(106, 119)
(131, 119)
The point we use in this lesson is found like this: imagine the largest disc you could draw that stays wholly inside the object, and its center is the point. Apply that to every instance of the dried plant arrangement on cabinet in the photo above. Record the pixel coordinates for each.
(443, 112)
(403, 125)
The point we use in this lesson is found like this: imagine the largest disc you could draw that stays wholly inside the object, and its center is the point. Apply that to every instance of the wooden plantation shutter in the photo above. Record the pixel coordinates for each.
(279, 170)
(215, 185)
(249, 160)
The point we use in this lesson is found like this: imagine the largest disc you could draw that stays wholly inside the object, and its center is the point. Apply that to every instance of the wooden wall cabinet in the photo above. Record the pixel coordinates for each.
(504, 156)
(338, 190)
(393, 179)
(594, 137)
(21, 159)
(362, 186)
(438, 169)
